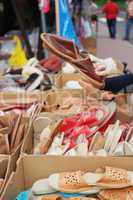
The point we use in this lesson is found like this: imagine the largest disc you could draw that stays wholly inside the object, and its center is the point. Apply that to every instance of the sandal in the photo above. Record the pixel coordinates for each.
(42, 187)
(52, 197)
(116, 194)
(119, 151)
(97, 142)
(68, 51)
(113, 135)
(71, 182)
(80, 149)
(128, 148)
(79, 181)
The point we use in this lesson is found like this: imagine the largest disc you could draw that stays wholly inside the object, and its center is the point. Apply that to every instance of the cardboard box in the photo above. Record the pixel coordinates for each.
(20, 97)
(33, 168)
(28, 144)
(56, 97)
(62, 79)
(90, 44)
(3, 171)
(7, 167)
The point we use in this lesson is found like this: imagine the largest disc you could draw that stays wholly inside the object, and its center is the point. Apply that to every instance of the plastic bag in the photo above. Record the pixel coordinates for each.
(18, 58)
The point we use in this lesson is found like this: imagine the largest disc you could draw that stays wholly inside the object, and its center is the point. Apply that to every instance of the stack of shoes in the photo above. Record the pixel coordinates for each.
(116, 140)
(90, 133)
(107, 183)
(78, 134)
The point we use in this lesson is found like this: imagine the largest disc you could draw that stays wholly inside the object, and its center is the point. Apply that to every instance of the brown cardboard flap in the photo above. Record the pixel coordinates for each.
(20, 97)
(55, 98)
(3, 172)
(3, 167)
(15, 183)
(11, 167)
(62, 79)
(28, 142)
(33, 168)
(28, 145)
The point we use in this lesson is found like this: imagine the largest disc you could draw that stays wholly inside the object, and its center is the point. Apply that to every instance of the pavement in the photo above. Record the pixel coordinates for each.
(116, 48)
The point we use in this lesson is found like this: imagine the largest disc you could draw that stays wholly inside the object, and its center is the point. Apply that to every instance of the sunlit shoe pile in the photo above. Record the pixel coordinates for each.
(106, 183)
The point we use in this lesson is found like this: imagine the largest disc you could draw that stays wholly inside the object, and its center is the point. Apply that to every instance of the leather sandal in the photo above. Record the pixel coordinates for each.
(67, 50)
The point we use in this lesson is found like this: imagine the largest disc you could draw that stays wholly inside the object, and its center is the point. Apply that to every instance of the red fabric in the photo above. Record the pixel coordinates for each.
(46, 7)
(52, 63)
(111, 10)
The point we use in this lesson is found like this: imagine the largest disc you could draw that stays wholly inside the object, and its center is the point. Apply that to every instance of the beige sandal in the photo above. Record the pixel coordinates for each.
(79, 181)
(116, 194)
(71, 182)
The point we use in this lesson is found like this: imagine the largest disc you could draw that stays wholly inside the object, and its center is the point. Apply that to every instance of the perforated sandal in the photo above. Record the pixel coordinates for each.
(116, 194)
(79, 181)
(71, 182)
(110, 178)
(97, 142)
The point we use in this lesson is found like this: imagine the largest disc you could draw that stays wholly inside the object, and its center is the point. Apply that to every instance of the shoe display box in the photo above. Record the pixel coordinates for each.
(56, 97)
(61, 79)
(32, 168)
(28, 144)
(20, 97)
(7, 167)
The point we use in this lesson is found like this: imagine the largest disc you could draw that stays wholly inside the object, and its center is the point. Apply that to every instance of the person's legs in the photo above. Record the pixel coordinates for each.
(113, 28)
(128, 28)
(115, 84)
(109, 24)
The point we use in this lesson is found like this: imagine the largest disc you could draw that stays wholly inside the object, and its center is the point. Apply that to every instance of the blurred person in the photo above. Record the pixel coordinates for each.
(111, 10)
(129, 19)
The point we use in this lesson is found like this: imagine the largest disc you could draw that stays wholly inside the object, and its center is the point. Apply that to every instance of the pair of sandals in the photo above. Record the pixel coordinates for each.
(108, 183)
(74, 134)
(117, 141)
(69, 52)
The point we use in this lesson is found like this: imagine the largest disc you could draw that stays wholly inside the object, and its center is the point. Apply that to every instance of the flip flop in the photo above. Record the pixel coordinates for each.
(79, 181)
(42, 187)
